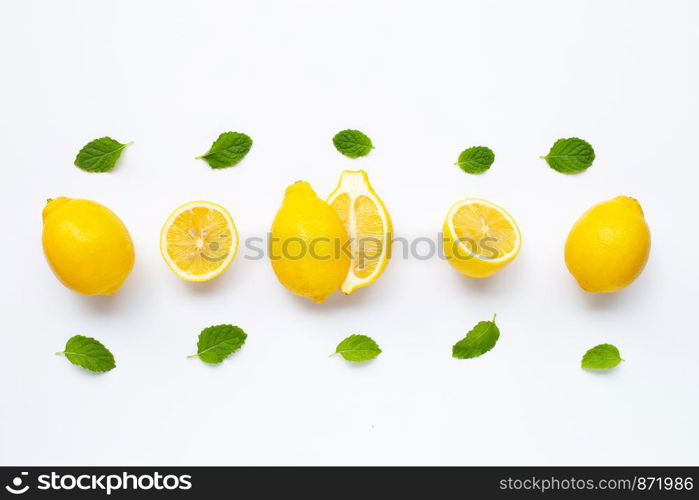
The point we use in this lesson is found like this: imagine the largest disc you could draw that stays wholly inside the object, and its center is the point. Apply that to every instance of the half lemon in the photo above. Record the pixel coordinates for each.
(368, 226)
(480, 238)
(199, 241)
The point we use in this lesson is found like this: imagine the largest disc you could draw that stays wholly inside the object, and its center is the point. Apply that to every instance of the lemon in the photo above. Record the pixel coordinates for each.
(86, 245)
(308, 244)
(480, 238)
(199, 241)
(608, 246)
(368, 226)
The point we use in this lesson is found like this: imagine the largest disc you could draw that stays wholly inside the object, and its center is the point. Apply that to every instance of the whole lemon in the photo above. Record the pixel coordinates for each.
(87, 246)
(609, 245)
(308, 244)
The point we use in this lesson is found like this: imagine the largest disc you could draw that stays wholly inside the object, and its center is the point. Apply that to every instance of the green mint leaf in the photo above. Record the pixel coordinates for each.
(481, 339)
(100, 155)
(570, 156)
(601, 357)
(476, 160)
(352, 143)
(88, 353)
(227, 150)
(218, 342)
(358, 348)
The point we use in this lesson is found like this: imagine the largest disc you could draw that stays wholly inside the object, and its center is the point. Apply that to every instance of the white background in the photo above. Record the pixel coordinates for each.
(424, 80)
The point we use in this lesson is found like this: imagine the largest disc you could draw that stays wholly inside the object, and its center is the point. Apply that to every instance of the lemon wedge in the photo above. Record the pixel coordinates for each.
(368, 226)
(199, 241)
(480, 238)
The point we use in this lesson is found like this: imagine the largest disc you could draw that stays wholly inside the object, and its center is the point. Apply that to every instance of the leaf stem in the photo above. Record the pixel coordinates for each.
(193, 356)
(494, 316)
(60, 352)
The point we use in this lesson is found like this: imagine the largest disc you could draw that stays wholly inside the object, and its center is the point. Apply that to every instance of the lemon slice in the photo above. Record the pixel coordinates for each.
(199, 241)
(480, 238)
(368, 225)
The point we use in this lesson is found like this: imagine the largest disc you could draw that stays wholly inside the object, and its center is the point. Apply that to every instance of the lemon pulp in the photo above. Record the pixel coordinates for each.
(484, 230)
(480, 238)
(199, 241)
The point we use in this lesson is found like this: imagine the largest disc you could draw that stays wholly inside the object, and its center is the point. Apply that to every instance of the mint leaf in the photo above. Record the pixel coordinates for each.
(358, 348)
(88, 353)
(218, 342)
(570, 156)
(352, 143)
(481, 339)
(476, 160)
(601, 357)
(100, 155)
(227, 150)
